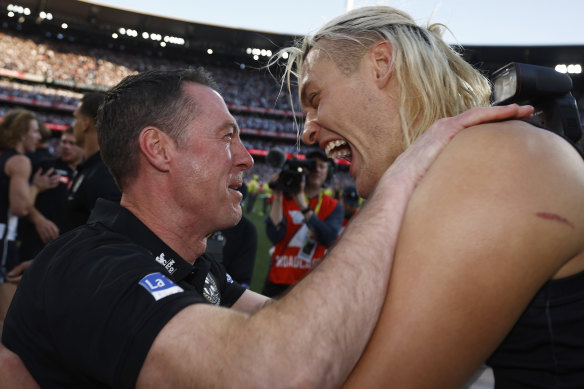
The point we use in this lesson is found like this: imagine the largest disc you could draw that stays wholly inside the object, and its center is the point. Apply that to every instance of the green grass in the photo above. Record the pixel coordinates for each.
(263, 258)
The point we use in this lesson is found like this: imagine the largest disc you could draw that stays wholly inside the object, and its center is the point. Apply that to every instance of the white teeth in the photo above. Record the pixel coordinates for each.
(332, 145)
(340, 154)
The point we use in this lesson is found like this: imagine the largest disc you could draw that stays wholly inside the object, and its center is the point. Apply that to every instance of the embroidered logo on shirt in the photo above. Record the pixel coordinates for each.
(211, 291)
(159, 286)
(167, 263)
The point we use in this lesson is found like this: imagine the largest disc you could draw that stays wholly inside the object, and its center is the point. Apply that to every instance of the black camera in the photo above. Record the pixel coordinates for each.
(544, 88)
(292, 171)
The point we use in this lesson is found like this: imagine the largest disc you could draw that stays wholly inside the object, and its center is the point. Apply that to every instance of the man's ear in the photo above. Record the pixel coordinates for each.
(156, 147)
(381, 57)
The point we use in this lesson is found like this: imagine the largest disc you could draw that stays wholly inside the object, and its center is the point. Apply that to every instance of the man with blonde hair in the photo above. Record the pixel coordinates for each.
(489, 263)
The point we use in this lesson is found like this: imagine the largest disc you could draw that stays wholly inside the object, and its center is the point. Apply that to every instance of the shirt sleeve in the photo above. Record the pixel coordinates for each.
(326, 230)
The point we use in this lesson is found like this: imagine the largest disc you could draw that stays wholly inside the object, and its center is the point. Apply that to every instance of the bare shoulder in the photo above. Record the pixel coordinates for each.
(513, 150)
(517, 141)
(498, 214)
(529, 180)
(18, 164)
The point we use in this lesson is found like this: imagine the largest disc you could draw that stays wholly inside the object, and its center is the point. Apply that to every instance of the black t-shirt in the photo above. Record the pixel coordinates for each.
(93, 301)
(92, 181)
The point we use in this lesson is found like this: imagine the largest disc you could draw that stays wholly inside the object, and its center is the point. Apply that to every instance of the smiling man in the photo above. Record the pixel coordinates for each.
(490, 259)
(129, 299)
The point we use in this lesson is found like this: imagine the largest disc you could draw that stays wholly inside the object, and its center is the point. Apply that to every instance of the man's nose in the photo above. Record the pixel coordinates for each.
(310, 133)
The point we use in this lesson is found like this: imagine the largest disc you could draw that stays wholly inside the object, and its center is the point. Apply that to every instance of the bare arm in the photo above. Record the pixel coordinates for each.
(46, 229)
(21, 195)
(472, 254)
(13, 372)
(315, 334)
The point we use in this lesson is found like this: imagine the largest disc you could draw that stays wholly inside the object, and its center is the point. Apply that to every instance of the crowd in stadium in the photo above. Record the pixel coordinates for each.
(54, 65)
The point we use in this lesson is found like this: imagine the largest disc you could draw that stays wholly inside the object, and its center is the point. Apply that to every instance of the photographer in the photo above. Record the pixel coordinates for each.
(303, 223)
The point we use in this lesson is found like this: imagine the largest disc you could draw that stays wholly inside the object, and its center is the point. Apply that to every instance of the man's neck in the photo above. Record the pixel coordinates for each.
(90, 144)
(73, 165)
(312, 191)
(170, 229)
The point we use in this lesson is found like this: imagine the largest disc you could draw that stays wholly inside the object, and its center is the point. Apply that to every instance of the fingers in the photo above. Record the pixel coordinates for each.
(14, 275)
(14, 280)
(49, 232)
(479, 115)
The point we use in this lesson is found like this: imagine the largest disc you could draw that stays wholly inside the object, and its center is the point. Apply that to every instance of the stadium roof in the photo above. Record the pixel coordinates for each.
(96, 24)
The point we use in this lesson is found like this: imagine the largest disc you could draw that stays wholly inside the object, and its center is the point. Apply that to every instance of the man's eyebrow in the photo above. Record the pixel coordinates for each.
(303, 88)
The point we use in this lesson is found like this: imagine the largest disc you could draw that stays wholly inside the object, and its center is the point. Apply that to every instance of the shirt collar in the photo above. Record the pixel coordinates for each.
(122, 221)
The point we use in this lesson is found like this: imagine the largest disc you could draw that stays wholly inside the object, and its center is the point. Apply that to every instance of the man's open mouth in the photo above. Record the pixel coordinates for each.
(338, 149)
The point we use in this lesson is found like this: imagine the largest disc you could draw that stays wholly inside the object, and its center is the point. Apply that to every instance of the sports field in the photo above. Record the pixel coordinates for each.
(262, 256)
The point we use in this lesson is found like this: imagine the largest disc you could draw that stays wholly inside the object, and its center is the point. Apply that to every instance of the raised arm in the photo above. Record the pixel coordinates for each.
(315, 334)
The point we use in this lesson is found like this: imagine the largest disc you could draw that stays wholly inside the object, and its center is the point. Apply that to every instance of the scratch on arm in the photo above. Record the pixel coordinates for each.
(553, 216)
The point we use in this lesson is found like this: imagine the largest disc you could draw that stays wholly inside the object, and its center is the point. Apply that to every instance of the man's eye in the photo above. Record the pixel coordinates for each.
(312, 99)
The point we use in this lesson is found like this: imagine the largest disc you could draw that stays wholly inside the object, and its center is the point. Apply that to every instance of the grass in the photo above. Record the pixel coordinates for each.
(263, 258)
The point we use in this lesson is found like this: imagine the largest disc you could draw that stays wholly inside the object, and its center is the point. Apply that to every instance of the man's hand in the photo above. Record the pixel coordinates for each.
(416, 160)
(15, 275)
(46, 229)
(46, 180)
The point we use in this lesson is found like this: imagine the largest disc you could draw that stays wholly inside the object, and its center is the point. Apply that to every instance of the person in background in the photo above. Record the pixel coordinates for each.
(302, 226)
(19, 134)
(51, 204)
(92, 179)
(236, 247)
(350, 201)
(265, 195)
(253, 188)
(42, 152)
(489, 264)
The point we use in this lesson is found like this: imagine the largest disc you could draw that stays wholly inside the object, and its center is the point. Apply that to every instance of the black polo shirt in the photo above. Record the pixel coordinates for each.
(91, 181)
(93, 301)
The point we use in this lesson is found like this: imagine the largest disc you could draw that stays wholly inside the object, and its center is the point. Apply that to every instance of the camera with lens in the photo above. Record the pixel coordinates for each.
(291, 173)
(546, 89)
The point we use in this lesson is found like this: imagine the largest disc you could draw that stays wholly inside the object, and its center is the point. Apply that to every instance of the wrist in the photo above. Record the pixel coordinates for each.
(306, 210)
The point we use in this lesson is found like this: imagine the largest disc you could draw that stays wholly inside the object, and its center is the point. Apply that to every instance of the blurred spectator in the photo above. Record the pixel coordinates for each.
(253, 189)
(350, 201)
(236, 248)
(51, 203)
(42, 152)
(93, 179)
(19, 134)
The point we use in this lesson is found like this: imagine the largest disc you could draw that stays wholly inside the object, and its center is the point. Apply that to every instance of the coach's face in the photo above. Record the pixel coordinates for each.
(210, 162)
